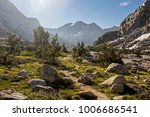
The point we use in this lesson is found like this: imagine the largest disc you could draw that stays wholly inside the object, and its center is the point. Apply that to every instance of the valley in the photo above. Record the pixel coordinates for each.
(77, 61)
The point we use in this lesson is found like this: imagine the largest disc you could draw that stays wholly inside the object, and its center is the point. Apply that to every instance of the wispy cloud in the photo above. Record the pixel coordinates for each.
(125, 3)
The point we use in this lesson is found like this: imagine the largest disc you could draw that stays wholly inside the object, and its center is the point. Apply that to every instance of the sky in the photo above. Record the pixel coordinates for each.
(55, 13)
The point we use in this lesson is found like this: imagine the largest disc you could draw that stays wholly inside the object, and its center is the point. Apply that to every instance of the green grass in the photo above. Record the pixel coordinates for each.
(32, 67)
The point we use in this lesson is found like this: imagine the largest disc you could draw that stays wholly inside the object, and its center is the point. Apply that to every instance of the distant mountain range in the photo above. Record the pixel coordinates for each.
(12, 20)
(134, 31)
(72, 33)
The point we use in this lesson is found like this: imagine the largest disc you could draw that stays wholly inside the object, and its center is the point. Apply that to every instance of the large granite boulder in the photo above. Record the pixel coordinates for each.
(115, 80)
(117, 68)
(48, 73)
(117, 88)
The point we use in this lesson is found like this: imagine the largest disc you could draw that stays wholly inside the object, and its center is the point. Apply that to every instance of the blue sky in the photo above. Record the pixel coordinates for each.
(55, 13)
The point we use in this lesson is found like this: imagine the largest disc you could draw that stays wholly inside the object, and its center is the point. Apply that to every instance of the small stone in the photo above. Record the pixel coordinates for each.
(19, 78)
(90, 70)
(46, 89)
(87, 78)
(87, 95)
(23, 73)
(32, 83)
(119, 98)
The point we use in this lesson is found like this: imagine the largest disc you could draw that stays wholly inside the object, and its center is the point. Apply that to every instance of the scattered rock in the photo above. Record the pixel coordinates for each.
(23, 73)
(87, 95)
(73, 73)
(137, 78)
(4, 77)
(147, 80)
(117, 68)
(115, 80)
(119, 98)
(67, 81)
(48, 73)
(86, 78)
(117, 88)
(10, 95)
(32, 83)
(46, 89)
(18, 79)
(90, 70)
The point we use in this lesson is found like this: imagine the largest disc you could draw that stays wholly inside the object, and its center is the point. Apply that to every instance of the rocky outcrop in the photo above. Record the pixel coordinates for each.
(117, 68)
(134, 31)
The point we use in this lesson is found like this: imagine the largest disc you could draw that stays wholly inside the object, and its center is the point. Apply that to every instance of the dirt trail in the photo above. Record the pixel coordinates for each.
(83, 87)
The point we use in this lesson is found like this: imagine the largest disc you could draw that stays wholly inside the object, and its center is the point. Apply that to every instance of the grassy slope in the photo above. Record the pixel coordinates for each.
(32, 69)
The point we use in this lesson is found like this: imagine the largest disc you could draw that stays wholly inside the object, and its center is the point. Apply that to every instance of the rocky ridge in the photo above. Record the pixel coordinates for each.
(134, 31)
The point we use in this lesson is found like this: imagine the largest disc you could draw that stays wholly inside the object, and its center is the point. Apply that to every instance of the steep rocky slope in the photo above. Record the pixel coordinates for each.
(134, 31)
(12, 20)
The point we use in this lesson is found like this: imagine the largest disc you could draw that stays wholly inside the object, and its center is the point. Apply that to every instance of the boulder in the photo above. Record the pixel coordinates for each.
(115, 80)
(67, 81)
(119, 98)
(32, 83)
(117, 88)
(87, 95)
(18, 79)
(11, 95)
(117, 68)
(48, 73)
(90, 70)
(23, 73)
(46, 89)
(86, 78)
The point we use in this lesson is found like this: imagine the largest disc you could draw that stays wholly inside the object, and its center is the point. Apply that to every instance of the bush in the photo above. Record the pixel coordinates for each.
(108, 55)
